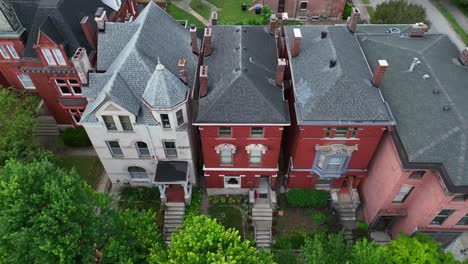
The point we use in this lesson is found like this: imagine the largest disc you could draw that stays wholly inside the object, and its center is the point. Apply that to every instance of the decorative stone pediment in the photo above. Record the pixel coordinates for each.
(260, 147)
(224, 146)
(334, 149)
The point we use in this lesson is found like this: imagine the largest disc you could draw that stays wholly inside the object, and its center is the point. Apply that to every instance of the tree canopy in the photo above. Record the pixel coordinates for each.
(399, 12)
(204, 240)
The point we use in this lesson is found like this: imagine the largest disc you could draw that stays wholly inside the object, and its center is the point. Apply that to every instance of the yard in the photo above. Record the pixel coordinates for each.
(142, 198)
(179, 14)
(200, 8)
(232, 14)
(89, 168)
(230, 216)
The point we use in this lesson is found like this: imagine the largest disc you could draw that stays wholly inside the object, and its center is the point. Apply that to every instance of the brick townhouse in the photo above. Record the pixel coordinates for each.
(307, 9)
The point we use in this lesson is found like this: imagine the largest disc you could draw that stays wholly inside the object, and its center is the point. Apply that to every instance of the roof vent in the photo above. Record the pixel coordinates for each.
(446, 108)
(332, 63)
(436, 91)
(426, 76)
(237, 30)
(324, 34)
(394, 31)
(244, 69)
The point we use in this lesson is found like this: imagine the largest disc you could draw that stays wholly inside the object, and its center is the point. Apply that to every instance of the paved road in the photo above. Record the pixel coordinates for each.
(439, 23)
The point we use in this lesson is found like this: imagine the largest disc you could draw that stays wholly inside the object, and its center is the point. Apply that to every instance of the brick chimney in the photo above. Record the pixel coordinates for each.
(182, 70)
(418, 29)
(353, 19)
(379, 72)
(214, 19)
(296, 42)
(273, 20)
(89, 32)
(203, 81)
(82, 64)
(101, 18)
(193, 34)
(207, 42)
(281, 68)
(464, 56)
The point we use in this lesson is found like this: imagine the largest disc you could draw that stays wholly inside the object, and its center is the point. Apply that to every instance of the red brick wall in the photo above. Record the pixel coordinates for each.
(330, 8)
(215, 179)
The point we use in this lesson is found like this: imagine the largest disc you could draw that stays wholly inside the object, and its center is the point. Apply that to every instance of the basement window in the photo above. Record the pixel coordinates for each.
(232, 181)
(416, 175)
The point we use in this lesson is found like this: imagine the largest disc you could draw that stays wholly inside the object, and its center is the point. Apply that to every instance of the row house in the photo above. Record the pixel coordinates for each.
(338, 116)
(308, 9)
(137, 117)
(47, 47)
(240, 111)
(418, 180)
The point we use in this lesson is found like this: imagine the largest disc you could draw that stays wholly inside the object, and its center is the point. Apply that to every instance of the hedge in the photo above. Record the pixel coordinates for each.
(76, 137)
(307, 198)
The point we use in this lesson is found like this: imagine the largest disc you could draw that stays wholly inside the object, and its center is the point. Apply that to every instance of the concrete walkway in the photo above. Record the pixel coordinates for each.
(185, 5)
(439, 23)
(457, 13)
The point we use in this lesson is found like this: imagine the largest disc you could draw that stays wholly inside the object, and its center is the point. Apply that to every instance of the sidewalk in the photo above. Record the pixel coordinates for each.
(185, 5)
(457, 13)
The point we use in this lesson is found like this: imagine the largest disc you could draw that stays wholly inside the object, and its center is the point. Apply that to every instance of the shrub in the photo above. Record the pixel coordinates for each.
(362, 225)
(307, 198)
(76, 137)
(194, 208)
(293, 240)
(320, 218)
(399, 12)
(347, 11)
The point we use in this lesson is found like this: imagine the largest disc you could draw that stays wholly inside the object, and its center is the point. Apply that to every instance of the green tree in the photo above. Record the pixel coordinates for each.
(135, 235)
(203, 240)
(48, 215)
(399, 12)
(17, 123)
(366, 252)
(419, 249)
(322, 248)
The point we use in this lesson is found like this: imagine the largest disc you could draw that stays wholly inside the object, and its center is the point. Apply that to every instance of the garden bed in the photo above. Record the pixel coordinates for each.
(142, 198)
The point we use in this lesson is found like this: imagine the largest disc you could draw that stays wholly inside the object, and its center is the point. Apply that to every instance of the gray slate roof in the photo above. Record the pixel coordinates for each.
(58, 19)
(130, 66)
(340, 94)
(241, 79)
(428, 133)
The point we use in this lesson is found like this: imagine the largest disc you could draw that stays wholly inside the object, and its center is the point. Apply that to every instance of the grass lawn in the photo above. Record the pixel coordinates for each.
(232, 13)
(229, 216)
(452, 20)
(89, 168)
(142, 198)
(179, 14)
(200, 8)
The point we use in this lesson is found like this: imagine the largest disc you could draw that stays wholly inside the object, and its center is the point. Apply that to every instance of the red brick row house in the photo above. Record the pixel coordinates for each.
(307, 9)
(47, 48)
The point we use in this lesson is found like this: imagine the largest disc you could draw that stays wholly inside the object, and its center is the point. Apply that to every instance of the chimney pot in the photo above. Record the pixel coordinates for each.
(296, 42)
(193, 35)
(214, 19)
(354, 19)
(89, 32)
(207, 42)
(101, 18)
(281, 68)
(182, 70)
(464, 56)
(418, 29)
(273, 24)
(203, 80)
(379, 72)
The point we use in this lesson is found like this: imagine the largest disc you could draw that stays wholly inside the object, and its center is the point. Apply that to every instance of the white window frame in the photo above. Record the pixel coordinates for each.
(165, 124)
(256, 134)
(73, 114)
(114, 128)
(182, 116)
(226, 156)
(4, 52)
(228, 185)
(403, 194)
(140, 154)
(27, 84)
(12, 51)
(111, 149)
(255, 157)
(58, 55)
(166, 149)
(307, 4)
(137, 175)
(122, 123)
(47, 53)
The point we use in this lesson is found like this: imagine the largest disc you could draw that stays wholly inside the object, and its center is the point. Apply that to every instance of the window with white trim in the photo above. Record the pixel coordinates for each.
(463, 221)
(109, 122)
(12, 51)
(68, 87)
(404, 192)
(143, 150)
(53, 56)
(137, 173)
(255, 157)
(170, 148)
(165, 121)
(442, 216)
(225, 132)
(4, 52)
(332, 160)
(114, 148)
(303, 5)
(226, 156)
(180, 117)
(76, 114)
(341, 132)
(331, 164)
(232, 181)
(256, 132)
(26, 81)
(126, 123)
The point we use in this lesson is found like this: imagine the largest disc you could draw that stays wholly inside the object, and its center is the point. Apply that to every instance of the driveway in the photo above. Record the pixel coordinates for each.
(439, 23)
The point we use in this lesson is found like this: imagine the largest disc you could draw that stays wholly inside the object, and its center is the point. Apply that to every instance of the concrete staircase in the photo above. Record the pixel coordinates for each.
(262, 216)
(346, 211)
(173, 218)
(46, 126)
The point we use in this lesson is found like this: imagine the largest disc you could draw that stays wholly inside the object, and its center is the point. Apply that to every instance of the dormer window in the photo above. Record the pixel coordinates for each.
(109, 121)
(180, 117)
(7, 51)
(165, 121)
(126, 123)
(53, 56)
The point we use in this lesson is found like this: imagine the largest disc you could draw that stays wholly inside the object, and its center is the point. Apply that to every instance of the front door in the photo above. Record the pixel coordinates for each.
(383, 223)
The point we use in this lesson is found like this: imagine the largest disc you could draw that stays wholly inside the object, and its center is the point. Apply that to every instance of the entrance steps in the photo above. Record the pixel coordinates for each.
(262, 217)
(173, 219)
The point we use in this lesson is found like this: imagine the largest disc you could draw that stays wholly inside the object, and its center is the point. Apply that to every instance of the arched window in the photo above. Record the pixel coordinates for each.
(137, 173)
(143, 150)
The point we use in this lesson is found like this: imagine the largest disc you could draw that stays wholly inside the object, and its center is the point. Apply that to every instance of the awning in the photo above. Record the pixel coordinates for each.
(171, 172)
